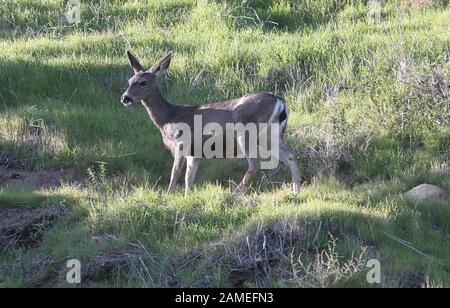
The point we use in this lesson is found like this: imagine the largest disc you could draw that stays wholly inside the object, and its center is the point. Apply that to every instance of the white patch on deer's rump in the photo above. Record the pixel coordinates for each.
(239, 103)
(279, 106)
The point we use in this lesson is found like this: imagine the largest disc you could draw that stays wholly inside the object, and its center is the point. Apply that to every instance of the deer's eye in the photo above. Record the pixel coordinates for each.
(143, 83)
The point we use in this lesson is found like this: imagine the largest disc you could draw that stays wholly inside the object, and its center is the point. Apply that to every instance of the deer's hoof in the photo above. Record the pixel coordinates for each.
(171, 190)
(240, 190)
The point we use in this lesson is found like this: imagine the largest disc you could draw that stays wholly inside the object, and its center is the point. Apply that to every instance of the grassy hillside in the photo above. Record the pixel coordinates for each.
(369, 119)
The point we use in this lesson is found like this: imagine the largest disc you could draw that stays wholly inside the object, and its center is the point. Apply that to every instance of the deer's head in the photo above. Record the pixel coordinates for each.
(144, 81)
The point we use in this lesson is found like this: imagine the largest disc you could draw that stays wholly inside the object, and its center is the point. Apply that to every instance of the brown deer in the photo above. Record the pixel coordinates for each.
(255, 108)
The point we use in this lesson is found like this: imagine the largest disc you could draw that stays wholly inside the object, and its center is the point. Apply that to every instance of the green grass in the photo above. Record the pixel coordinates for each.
(385, 131)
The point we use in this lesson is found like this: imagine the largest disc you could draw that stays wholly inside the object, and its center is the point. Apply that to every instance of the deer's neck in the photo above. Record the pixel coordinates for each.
(157, 107)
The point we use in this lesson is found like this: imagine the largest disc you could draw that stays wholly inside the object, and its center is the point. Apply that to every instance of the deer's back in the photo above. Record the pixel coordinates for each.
(255, 108)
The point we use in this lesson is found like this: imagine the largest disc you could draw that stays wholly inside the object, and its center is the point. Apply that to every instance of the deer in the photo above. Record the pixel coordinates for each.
(253, 108)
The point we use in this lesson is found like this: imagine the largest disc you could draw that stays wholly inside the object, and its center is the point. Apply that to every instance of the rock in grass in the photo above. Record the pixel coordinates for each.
(5, 157)
(425, 192)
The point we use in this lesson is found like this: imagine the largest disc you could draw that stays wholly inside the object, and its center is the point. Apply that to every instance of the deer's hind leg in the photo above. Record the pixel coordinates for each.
(254, 164)
(288, 158)
(253, 168)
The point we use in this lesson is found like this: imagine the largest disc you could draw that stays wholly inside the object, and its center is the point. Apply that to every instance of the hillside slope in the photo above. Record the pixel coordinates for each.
(369, 119)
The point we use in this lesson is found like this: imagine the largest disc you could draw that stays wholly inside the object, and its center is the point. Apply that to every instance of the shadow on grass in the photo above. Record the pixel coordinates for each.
(286, 15)
(27, 199)
(47, 17)
(32, 18)
(72, 115)
(70, 84)
(298, 15)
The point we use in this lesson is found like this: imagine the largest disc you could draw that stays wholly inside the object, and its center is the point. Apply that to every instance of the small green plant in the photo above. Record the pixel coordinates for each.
(98, 177)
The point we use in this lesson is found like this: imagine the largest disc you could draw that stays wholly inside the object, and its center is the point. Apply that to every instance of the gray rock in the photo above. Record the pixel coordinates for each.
(425, 192)
(5, 156)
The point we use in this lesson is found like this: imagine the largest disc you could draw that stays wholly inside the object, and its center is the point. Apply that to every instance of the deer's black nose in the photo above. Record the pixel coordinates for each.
(126, 100)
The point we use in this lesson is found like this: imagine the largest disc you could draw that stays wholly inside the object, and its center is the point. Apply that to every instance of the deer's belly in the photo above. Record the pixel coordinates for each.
(205, 146)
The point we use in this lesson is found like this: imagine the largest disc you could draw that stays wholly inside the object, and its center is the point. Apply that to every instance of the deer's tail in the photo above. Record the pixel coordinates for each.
(280, 115)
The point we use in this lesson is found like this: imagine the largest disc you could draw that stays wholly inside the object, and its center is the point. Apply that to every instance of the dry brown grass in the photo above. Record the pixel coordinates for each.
(327, 267)
(24, 227)
(288, 248)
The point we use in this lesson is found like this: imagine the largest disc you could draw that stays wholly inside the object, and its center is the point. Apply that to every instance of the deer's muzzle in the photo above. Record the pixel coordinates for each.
(126, 100)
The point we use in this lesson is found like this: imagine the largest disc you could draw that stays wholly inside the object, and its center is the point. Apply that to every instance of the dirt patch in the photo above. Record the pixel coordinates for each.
(12, 177)
(25, 227)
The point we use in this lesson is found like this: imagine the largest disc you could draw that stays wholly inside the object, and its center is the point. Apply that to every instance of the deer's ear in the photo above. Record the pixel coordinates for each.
(162, 64)
(134, 63)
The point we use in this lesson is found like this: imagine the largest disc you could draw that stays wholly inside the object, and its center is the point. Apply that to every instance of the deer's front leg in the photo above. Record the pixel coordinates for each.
(178, 163)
